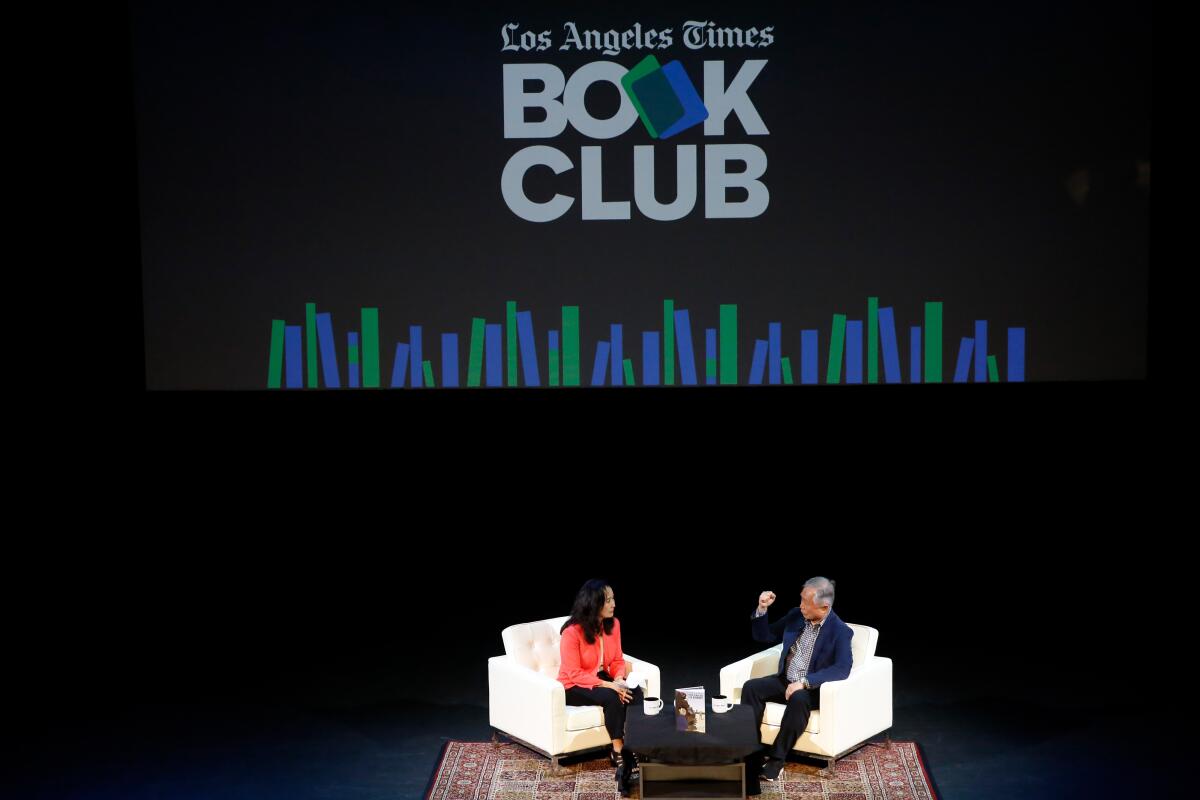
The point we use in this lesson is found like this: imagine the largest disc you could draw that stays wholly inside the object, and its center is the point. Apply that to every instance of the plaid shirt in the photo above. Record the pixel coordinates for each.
(801, 652)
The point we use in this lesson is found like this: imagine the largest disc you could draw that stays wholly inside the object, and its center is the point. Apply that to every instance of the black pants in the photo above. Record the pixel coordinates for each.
(614, 709)
(757, 692)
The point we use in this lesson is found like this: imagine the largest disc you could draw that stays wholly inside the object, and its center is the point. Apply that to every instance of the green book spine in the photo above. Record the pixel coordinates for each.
(668, 359)
(370, 348)
(510, 327)
(570, 336)
(275, 367)
(837, 342)
(728, 346)
(872, 340)
(310, 336)
(933, 342)
(475, 359)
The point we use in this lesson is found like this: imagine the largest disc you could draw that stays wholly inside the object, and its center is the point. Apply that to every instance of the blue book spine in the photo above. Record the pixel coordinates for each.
(650, 358)
(616, 356)
(962, 368)
(415, 372)
(710, 354)
(329, 366)
(981, 372)
(494, 355)
(775, 353)
(808, 356)
(528, 348)
(552, 347)
(292, 356)
(600, 365)
(398, 368)
(683, 341)
(759, 362)
(1016, 354)
(854, 351)
(914, 356)
(891, 352)
(352, 341)
(450, 360)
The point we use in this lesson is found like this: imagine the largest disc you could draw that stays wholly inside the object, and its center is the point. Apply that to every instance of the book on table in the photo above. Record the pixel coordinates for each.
(689, 709)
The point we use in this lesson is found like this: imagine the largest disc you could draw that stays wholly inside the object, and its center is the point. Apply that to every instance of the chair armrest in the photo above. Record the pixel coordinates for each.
(653, 682)
(755, 666)
(859, 706)
(526, 704)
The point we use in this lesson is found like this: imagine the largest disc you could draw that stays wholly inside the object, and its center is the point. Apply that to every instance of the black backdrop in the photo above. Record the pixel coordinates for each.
(200, 622)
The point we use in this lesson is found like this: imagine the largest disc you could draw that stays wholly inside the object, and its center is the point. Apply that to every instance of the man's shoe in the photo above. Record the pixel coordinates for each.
(772, 768)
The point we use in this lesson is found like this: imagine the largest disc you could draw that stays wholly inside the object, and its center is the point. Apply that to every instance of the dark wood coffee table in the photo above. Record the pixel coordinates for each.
(719, 763)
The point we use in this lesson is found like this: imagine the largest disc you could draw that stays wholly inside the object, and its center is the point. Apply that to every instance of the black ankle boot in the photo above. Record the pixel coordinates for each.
(635, 771)
(622, 773)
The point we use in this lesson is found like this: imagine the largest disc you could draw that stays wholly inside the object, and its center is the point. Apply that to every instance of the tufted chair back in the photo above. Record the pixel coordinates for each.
(862, 646)
(535, 644)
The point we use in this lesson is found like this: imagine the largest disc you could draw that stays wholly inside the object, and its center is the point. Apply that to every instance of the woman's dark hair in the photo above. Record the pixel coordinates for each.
(586, 611)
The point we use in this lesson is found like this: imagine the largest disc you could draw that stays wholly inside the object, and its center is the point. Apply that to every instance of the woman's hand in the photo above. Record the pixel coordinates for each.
(624, 693)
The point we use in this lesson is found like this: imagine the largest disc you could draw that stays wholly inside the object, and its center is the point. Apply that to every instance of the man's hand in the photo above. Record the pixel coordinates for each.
(765, 599)
(792, 689)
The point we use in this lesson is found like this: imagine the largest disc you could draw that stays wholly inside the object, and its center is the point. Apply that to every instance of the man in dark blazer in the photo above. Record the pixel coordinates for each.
(816, 649)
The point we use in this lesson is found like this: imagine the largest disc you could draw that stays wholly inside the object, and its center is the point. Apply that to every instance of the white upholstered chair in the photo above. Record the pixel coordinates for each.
(527, 703)
(852, 710)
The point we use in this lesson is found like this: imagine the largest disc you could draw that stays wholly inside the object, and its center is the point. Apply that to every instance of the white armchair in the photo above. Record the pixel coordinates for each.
(527, 703)
(852, 710)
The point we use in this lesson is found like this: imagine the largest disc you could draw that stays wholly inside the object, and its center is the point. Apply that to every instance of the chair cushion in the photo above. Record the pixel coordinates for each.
(580, 718)
(773, 715)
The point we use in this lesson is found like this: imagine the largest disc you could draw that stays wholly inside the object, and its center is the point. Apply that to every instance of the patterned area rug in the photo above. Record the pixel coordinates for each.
(483, 771)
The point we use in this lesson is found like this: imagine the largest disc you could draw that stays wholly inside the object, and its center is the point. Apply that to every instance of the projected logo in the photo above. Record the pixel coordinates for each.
(665, 98)
(667, 103)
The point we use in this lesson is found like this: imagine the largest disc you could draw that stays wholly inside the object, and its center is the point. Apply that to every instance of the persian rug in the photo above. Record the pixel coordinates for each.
(483, 771)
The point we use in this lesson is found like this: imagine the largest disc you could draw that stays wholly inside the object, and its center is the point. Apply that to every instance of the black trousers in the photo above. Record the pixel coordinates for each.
(757, 692)
(614, 709)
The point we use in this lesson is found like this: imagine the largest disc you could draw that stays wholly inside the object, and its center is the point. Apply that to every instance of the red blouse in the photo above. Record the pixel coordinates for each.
(580, 661)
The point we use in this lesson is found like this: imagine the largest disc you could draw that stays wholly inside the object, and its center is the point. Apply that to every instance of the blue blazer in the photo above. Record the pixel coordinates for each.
(831, 658)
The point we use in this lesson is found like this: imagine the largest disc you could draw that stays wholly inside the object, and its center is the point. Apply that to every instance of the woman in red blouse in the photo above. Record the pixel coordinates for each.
(593, 669)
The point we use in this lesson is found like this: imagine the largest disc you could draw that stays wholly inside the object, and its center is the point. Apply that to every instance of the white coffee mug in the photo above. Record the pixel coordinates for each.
(652, 705)
(721, 704)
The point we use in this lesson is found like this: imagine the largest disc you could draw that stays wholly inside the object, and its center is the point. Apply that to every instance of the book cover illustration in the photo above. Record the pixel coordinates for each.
(689, 709)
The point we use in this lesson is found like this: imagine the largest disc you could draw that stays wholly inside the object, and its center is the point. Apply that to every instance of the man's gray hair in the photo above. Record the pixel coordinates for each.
(824, 587)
